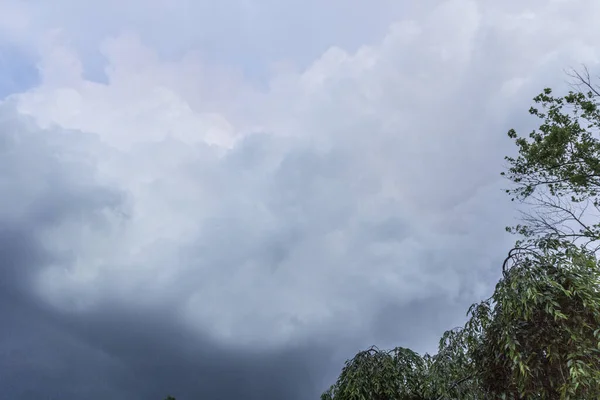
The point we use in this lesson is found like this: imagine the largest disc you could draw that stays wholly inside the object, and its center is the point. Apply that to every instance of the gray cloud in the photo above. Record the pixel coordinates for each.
(254, 35)
(132, 356)
(116, 351)
(39, 191)
(176, 230)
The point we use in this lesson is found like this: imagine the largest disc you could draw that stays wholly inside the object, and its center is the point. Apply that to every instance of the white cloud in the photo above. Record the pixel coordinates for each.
(253, 34)
(373, 178)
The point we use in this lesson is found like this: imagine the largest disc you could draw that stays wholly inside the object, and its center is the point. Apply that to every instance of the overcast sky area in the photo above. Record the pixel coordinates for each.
(227, 199)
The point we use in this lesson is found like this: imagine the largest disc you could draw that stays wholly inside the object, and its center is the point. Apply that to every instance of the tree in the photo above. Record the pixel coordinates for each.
(540, 331)
(382, 375)
(557, 170)
(538, 335)
(402, 374)
(557, 174)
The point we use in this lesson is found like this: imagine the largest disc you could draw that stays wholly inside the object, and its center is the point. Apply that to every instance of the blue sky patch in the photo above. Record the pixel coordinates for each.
(18, 71)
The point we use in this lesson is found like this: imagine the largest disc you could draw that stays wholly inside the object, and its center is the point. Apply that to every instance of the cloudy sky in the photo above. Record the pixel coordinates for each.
(225, 200)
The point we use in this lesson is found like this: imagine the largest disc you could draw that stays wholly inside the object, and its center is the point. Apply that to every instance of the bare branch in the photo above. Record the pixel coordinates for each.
(583, 79)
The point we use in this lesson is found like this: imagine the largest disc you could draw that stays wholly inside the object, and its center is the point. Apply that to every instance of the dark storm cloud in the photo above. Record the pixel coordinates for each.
(124, 356)
(117, 351)
(38, 191)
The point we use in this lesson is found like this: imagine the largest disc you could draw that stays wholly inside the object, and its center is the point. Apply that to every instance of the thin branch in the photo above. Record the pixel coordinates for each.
(584, 79)
(515, 255)
(455, 384)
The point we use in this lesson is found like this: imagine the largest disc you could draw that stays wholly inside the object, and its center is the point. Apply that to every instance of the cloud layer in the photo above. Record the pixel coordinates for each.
(195, 220)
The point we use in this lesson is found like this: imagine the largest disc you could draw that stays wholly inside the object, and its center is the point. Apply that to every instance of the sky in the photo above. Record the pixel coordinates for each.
(226, 200)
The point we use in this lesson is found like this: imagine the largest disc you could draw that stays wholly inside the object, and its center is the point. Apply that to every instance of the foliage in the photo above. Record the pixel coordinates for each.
(557, 170)
(402, 374)
(381, 375)
(541, 328)
(452, 372)
(538, 335)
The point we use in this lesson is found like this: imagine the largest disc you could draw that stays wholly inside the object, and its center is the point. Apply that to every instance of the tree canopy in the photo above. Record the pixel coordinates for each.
(557, 170)
(538, 335)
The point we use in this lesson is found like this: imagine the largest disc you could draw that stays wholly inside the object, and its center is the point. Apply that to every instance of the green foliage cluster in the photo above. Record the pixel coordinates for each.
(538, 335)
(557, 170)
(541, 329)
(380, 370)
